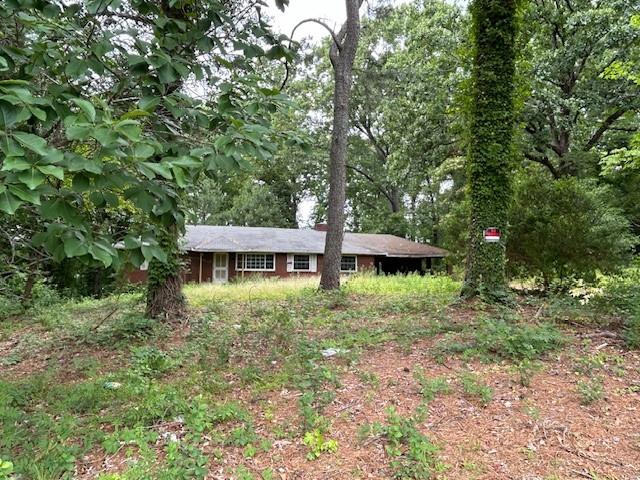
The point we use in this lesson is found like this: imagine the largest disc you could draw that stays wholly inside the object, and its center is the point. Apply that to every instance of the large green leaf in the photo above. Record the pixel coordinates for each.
(75, 247)
(78, 131)
(87, 108)
(32, 142)
(30, 196)
(32, 178)
(130, 129)
(9, 146)
(105, 136)
(9, 203)
(10, 114)
(52, 170)
(15, 164)
(58, 208)
(143, 150)
(159, 169)
(153, 251)
(103, 252)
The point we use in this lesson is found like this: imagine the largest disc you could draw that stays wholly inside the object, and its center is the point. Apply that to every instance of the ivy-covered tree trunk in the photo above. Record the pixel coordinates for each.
(490, 151)
(164, 284)
(342, 55)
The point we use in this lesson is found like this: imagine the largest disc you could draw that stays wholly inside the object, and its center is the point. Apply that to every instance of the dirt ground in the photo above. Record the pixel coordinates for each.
(539, 432)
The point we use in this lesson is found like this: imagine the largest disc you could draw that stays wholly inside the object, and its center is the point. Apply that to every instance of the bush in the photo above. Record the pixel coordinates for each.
(620, 295)
(631, 331)
(565, 228)
(42, 295)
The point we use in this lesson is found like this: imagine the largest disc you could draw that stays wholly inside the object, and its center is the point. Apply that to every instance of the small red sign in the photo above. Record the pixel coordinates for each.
(492, 235)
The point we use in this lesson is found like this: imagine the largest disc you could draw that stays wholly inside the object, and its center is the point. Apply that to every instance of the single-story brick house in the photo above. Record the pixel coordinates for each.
(222, 253)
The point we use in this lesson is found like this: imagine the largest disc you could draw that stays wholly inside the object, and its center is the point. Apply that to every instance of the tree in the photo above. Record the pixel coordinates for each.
(565, 228)
(490, 148)
(405, 117)
(574, 109)
(95, 113)
(405, 110)
(342, 55)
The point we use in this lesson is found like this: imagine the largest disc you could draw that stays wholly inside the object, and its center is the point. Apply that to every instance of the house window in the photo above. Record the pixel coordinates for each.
(301, 263)
(255, 262)
(348, 263)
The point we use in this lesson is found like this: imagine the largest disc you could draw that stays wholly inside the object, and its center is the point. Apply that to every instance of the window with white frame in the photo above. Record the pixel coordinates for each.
(256, 262)
(348, 263)
(301, 263)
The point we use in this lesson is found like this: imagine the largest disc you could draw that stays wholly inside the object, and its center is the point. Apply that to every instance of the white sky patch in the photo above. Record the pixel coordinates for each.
(332, 12)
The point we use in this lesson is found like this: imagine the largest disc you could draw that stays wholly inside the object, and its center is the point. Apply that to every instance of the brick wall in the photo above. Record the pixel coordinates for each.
(192, 266)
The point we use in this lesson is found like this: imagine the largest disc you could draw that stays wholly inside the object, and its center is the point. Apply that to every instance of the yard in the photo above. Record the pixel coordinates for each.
(392, 377)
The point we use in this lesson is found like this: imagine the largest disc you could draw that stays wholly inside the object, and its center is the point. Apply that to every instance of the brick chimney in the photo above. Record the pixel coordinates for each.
(321, 227)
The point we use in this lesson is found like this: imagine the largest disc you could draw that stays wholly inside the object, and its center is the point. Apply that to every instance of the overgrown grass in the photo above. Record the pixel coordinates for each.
(204, 294)
(441, 287)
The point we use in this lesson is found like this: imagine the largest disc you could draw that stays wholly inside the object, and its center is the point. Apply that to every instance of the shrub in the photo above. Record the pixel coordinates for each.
(619, 294)
(564, 228)
(631, 331)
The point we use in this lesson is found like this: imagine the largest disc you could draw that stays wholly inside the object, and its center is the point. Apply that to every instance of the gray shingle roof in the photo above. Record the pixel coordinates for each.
(205, 238)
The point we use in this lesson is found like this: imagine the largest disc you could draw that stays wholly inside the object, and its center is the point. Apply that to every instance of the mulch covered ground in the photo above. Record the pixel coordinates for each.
(539, 432)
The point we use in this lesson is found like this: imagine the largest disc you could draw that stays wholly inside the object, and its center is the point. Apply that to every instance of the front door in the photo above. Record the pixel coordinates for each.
(220, 267)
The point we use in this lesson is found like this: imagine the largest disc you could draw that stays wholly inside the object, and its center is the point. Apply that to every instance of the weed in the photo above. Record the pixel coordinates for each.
(413, 454)
(430, 387)
(184, 461)
(131, 327)
(242, 473)
(474, 387)
(242, 435)
(516, 341)
(531, 410)
(526, 369)
(589, 364)
(591, 390)
(318, 444)
(370, 378)
(6, 469)
(149, 362)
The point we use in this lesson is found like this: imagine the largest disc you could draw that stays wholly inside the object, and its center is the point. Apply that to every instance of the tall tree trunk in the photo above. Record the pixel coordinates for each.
(164, 285)
(490, 152)
(342, 55)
